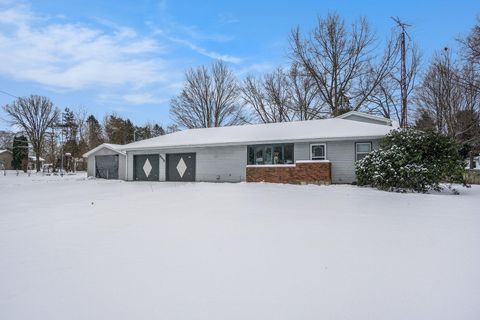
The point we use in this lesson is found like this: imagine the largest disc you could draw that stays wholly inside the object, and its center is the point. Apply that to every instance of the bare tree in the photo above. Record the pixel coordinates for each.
(6, 139)
(268, 97)
(386, 99)
(305, 98)
(81, 115)
(449, 93)
(209, 98)
(282, 96)
(34, 114)
(471, 44)
(439, 93)
(342, 62)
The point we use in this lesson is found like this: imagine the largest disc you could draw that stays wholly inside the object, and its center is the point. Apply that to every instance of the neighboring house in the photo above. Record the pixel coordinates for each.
(315, 151)
(6, 158)
(106, 161)
(32, 162)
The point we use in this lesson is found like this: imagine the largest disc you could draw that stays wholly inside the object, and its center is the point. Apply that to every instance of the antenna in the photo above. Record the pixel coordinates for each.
(403, 70)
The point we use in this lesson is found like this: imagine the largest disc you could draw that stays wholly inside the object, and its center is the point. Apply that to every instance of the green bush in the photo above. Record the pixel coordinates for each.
(412, 160)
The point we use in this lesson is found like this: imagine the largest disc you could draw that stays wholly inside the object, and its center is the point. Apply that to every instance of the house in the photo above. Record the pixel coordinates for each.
(32, 162)
(316, 151)
(6, 158)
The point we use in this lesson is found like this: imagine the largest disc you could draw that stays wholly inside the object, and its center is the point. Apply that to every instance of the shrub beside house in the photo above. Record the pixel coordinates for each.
(412, 160)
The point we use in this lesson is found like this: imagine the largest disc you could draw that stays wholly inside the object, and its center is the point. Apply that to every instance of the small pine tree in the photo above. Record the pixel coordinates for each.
(157, 130)
(94, 132)
(424, 121)
(20, 153)
(119, 130)
(70, 133)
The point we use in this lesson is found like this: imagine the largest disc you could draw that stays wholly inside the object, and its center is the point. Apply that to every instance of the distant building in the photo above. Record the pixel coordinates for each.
(6, 158)
(32, 162)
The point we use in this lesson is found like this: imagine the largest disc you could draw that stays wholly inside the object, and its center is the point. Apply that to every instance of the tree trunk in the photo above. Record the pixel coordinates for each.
(37, 162)
(471, 156)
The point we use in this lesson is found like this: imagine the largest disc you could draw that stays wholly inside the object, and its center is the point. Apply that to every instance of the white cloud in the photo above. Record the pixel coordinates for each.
(73, 56)
(143, 98)
(255, 68)
(227, 18)
(117, 64)
(205, 52)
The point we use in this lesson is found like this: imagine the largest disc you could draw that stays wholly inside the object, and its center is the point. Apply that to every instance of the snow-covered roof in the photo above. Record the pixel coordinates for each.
(5, 150)
(296, 131)
(33, 158)
(114, 147)
(366, 116)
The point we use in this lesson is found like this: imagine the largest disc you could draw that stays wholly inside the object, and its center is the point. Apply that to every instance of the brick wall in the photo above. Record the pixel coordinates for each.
(301, 172)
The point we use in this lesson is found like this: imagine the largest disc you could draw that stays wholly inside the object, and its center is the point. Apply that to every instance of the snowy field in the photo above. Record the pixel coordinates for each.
(72, 248)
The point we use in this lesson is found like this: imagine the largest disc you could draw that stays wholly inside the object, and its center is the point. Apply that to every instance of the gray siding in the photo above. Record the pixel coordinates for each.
(228, 163)
(363, 119)
(212, 163)
(340, 153)
(106, 152)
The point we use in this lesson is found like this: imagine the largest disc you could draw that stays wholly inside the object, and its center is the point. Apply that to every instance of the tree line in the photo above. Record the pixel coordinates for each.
(338, 67)
(52, 133)
(335, 67)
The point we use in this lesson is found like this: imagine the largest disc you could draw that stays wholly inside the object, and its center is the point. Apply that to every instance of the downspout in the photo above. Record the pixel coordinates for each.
(126, 166)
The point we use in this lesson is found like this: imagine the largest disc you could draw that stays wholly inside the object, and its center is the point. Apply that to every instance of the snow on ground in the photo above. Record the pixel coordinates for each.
(72, 248)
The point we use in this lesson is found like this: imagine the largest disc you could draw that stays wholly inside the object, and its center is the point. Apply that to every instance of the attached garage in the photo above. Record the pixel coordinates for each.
(181, 167)
(106, 167)
(106, 161)
(146, 167)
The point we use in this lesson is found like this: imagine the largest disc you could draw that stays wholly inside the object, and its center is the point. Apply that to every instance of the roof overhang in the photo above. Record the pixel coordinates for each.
(245, 143)
(366, 116)
(103, 146)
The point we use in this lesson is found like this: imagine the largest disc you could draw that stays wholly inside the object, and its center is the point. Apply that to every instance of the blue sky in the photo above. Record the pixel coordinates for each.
(129, 57)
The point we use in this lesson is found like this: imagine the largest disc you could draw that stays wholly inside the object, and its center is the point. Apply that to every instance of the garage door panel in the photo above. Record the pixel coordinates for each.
(181, 167)
(106, 167)
(146, 167)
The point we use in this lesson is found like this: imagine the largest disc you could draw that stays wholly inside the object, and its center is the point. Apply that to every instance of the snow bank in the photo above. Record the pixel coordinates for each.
(93, 249)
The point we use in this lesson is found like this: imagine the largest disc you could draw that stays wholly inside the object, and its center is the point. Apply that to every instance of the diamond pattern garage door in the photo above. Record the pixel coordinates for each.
(146, 167)
(181, 167)
(106, 167)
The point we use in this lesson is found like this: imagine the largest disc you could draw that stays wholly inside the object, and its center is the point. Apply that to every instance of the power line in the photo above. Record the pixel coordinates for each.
(8, 94)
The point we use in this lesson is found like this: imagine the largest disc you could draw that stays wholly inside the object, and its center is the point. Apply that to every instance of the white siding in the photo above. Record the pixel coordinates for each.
(106, 152)
(212, 163)
(340, 153)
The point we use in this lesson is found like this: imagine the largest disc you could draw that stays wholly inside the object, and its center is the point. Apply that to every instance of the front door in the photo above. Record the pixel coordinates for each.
(146, 167)
(181, 166)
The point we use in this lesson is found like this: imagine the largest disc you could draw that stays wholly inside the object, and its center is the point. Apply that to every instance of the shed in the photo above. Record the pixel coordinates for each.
(106, 161)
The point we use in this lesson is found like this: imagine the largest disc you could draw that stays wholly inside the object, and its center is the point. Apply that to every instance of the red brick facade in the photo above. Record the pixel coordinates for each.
(300, 173)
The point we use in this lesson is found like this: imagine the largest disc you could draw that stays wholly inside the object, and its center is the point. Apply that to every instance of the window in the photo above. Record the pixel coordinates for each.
(270, 154)
(362, 149)
(318, 151)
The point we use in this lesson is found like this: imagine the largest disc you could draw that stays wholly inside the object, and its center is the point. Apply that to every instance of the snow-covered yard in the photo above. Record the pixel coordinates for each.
(72, 248)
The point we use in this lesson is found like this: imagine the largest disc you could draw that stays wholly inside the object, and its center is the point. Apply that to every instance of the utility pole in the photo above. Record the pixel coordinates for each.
(403, 72)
